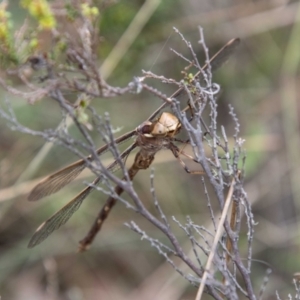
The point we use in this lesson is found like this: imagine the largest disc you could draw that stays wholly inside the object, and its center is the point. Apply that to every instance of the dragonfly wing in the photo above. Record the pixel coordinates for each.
(56, 181)
(59, 218)
(223, 54)
(64, 214)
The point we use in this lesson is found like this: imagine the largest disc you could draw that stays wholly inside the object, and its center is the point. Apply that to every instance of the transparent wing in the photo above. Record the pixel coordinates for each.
(65, 213)
(215, 62)
(56, 181)
(223, 54)
(60, 179)
(59, 218)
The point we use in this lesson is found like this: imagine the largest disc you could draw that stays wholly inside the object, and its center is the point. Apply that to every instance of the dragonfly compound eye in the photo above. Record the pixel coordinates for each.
(145, 128)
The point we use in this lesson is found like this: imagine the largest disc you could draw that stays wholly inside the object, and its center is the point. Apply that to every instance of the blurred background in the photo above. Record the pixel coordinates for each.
(261, 81)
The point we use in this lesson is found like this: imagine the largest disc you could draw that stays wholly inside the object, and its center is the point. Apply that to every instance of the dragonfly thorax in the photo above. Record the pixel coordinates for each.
(154, 136)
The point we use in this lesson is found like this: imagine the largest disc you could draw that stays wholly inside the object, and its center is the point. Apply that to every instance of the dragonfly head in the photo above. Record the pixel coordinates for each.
(167, 125)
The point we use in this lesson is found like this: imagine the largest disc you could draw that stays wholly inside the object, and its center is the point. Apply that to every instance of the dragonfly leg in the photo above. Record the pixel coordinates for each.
(176, 152)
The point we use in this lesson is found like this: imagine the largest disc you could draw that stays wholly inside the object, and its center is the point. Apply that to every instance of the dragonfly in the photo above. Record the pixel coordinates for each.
(151, 136)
